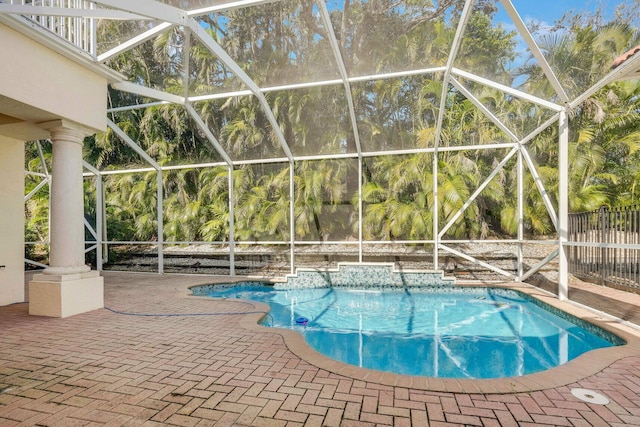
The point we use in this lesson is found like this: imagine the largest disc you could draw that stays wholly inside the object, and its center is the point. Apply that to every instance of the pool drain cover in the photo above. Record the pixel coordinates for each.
(590, 396)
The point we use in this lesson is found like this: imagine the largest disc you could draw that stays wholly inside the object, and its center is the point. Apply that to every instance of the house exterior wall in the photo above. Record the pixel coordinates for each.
(38, 84)
(38, 87)
(11, 220)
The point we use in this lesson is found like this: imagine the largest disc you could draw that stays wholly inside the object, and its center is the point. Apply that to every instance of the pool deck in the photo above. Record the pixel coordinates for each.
(207, 368)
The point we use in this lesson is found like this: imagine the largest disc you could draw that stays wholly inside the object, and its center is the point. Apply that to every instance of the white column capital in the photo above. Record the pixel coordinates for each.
(66, 130)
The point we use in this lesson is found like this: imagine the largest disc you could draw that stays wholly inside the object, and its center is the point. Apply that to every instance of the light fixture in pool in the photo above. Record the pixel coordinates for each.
(442, 332)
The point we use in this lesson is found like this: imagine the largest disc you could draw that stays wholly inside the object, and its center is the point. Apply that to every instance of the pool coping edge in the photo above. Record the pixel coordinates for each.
(581, 367)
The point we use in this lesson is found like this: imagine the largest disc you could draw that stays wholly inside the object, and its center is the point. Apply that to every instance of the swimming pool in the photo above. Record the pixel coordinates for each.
(443, 332)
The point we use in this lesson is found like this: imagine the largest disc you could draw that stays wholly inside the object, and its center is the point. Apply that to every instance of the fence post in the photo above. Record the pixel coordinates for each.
(603, 238)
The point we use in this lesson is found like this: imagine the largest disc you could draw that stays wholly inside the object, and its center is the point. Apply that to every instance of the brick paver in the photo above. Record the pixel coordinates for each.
(201, 368)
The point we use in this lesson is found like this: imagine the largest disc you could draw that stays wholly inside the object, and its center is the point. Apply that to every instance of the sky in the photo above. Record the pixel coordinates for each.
(545, 13)
(548, 11)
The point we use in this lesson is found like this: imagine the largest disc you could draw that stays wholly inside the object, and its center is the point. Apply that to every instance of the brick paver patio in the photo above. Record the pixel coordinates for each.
(204, 368)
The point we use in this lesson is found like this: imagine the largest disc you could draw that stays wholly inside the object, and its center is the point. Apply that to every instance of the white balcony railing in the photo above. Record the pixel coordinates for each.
(66, 18)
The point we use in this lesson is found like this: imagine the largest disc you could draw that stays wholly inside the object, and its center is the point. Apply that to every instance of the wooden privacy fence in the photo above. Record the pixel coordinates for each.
(604, 247)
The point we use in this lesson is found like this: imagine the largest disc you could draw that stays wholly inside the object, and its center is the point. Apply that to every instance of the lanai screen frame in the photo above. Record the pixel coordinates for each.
(80, 17)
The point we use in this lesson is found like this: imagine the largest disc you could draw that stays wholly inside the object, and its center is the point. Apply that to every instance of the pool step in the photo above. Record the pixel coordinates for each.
(371, 275)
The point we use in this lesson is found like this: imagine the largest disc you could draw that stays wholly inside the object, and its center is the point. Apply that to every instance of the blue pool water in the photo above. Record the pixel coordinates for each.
(475, 333)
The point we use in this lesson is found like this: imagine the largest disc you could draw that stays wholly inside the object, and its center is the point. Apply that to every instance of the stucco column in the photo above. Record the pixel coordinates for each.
(66, 252)
(67, 286)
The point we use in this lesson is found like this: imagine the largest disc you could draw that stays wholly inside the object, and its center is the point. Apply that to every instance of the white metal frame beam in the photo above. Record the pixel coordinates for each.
(227, 6)
(538, 266)
(335, 47)
(267, 89)
(535, 50)
(476, 261)
(455, 47)
(46, 176)
(210, 137)
(540, 129)
(37, 188)
(137, 106)
(321, 157)
(30, 9)
(479, 190)
(159, 188)
(216, 145)
(508, 89)
(563, 205)
(520, 212)
(629, 67)
(100, 229)
(333, 42)
(540, 185)
(150, 9)
(148, 92)
(223, 56)
(46, 179)
(134, 41)
(475, 101)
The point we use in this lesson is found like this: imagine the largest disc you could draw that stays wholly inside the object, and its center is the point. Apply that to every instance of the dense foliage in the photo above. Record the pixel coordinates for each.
(284, 42)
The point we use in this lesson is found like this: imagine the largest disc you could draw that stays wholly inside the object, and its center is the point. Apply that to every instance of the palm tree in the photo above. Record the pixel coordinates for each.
(271, 41)
(398, 198)
(262, 203)
(131, 203)
(320, 188)
(214, 196)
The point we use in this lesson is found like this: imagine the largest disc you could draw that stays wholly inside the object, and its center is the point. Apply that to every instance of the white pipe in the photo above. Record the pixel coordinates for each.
(232, 225)
(160, 207)
(520, 213)
(292, 219)
(563, 205)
